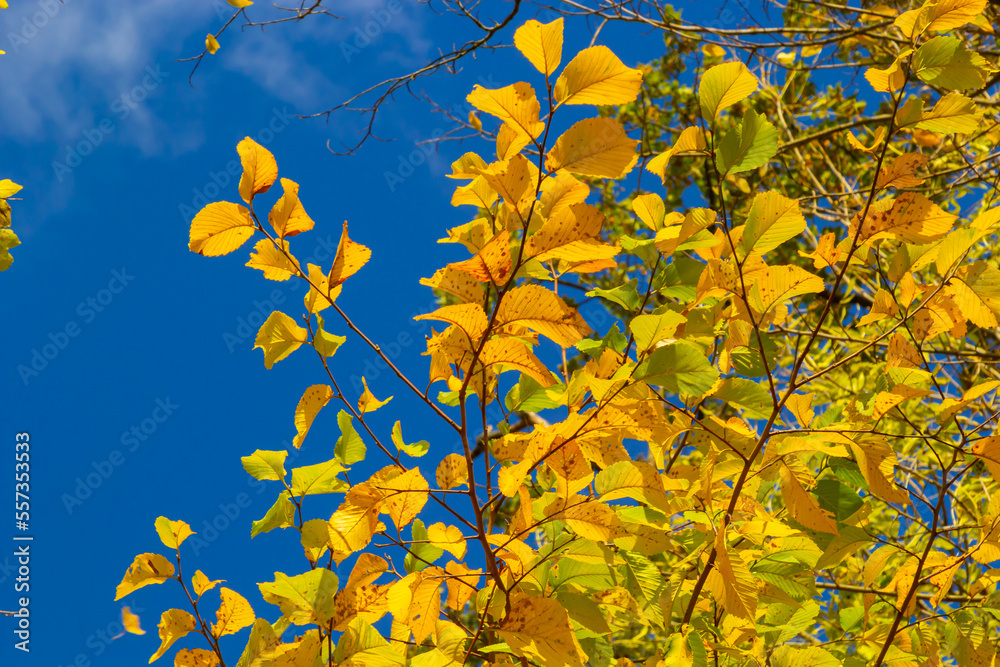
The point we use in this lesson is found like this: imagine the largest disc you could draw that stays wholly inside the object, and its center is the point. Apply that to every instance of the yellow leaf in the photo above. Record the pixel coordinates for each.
(953, 113)
(131, 622)
(320, 296)
(312, 401)
(826, 253)
(539, 630)
(457, 283)
(561, 191)
(988, 450)
(513, 354)
(233, 615)
(279, 336)
(543, 311)
(202, 583)
(515, 105)
(594, 147)
(145, 569)
(515, 181)
(888, 80)
(803, 506)
(220, 228)
(737, 590)
(418, 598)
(259, 169)
(690, 140)
(360, 600)
(572, 234)
(469, 317)
(8, 188)
(509, 144)
(368, 402)
(474, 121)
(367, 569)
(351, 527)
(650, 209)
(448, 538)
(541, 44)
(722, 86)
(775, 285)
(350, 258)
(304, 599)
(976, 290)
(713, 50)
(876, 140)
(314, 536)
(910, 217)
(900, 174)
(405, 496)
(272, 261)
(492, 263)
(672, 237)
(591, 520)
(287, 216)
(939, 16)
(462, 584)
(467, 166)
(240, 4)
(877, 462)
(195, 657)
(452, 472)
(211, 43)
(597, 76)
(174, 624)
(172, 533)
(773, 219)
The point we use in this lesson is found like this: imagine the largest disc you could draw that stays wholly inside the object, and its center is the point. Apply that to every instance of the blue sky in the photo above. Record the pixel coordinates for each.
(126, 357)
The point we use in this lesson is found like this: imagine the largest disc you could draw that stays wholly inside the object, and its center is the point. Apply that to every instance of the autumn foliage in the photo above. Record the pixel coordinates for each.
(780, 454)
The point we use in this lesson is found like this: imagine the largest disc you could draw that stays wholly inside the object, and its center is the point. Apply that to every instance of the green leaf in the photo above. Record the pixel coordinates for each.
(953, 113)
(645, 580)
(529, 396)
(305, 598)
(319, 478)
(262, 637)
(325, 343)
(625, 295)
(280, 515)
(583, 610)
(946, 63)
(650, 329)
(613, 340)
(350, 448)
(681, 368)
(722, 86)
(422, 552)
(361, 644)
(265, 464)
(754, 399)
(416, 450)
(837, 498)
(750, 145)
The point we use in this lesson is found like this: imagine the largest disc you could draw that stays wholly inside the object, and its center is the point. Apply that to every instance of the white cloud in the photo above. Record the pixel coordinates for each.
(68, 64)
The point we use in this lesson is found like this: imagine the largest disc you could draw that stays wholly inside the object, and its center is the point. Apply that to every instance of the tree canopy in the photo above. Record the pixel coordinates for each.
(719, 344)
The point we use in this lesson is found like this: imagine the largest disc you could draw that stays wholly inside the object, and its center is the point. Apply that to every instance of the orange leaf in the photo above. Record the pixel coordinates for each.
(259, 169)
(350, 258)
(492, 263)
